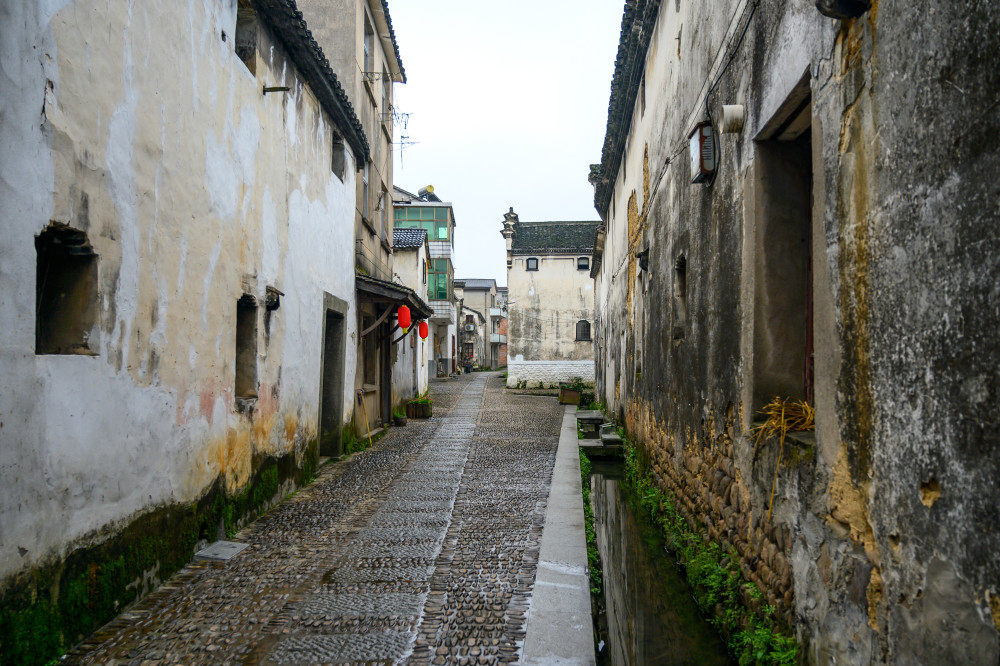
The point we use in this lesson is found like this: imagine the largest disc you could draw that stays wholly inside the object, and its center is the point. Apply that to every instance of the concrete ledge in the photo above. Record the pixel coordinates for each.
(560, 629)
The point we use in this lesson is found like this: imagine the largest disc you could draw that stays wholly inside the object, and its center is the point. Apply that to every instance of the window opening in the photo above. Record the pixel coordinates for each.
(65, 292)
(583, 264)
(246, 35)
(246, 347)
(583, 330)
(364, 191)
(532, 264)
(339, 156)
(369, 47)
(384, 204)
(783, 317)
(386, 97)
(439, 280)
(680, 298)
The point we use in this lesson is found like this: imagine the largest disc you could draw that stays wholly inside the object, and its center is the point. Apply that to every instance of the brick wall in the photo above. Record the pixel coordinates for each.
(548, 372)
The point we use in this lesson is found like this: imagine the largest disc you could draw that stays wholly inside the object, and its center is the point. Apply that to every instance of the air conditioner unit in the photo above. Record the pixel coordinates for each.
(469, 328)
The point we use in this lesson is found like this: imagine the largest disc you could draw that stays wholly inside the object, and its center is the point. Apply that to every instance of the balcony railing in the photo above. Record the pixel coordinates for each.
(369, 262)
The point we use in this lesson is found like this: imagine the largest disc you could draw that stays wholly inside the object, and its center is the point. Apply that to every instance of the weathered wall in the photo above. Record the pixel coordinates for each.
(409, 372)
(545, 306)
(883, 540)
(139, 125)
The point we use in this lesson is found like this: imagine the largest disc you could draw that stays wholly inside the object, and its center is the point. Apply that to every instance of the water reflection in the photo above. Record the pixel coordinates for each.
(651, 616)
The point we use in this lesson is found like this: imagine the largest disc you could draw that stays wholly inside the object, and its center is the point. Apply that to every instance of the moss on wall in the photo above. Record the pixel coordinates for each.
(50, 608)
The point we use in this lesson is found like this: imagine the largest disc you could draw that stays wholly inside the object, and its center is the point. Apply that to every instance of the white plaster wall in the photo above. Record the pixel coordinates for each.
(544, 308)
(192, 187)
(407, 264)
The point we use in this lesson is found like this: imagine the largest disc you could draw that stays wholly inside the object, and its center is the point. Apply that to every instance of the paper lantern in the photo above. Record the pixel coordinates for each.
(422, 330)
(403, 313)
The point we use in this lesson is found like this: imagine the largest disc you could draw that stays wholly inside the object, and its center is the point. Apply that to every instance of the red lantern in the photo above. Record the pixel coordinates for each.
(422, 329)
(403, 313)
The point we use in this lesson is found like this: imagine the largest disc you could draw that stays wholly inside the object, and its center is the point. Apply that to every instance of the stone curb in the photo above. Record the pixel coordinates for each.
(560, 626)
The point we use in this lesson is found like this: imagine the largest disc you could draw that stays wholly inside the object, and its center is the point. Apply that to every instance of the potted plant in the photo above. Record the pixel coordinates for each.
(398, 417)
(569, 393)
(419, 408)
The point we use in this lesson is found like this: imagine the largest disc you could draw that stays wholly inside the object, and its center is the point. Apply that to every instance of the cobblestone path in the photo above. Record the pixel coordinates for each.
(422, 549)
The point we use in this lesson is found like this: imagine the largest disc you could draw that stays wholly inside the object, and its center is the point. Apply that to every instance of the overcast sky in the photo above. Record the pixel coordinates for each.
(508, 104)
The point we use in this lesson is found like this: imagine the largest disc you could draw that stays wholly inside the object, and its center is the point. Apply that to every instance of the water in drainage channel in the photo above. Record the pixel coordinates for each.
(649, 614)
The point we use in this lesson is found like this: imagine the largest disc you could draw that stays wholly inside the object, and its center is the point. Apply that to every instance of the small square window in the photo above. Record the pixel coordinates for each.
(583, 263)
(531, 264)
(339, 159)
(66, 301)
(246, 35)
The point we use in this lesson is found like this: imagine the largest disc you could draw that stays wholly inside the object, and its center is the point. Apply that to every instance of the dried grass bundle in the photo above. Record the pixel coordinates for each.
(783, 417)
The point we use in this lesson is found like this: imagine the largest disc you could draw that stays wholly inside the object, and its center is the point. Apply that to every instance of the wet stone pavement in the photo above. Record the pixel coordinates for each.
(422, 549)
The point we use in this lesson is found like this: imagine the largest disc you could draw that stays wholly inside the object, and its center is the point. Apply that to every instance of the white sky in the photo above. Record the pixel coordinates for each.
(508, 104)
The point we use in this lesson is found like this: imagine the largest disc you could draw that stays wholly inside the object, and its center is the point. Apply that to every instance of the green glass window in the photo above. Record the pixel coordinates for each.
(426, 213)
(439, 280)
(398, 214)
(440, 213)
(413, 213)
(442, 229)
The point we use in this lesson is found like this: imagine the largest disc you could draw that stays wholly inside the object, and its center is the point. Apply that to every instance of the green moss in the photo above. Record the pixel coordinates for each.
(356, 444)
(47, 610)
(713, 573)
(310, 463)
(593, 555)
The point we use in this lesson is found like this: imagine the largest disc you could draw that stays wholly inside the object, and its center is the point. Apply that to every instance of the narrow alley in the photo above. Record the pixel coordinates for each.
(423, 547)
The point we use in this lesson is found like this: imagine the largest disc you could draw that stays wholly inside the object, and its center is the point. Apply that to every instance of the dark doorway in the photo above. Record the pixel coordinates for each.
(385, 371)
(331, 404)
(783, 340)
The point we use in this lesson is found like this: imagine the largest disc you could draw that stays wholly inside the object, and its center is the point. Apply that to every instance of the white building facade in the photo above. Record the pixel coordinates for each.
(551, 301)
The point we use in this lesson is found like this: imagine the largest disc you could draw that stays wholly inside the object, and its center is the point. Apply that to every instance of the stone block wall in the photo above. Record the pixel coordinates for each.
(537, 373)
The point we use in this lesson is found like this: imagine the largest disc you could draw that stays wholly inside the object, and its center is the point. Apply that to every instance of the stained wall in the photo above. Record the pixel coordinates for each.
(139, 125)
(882, 539)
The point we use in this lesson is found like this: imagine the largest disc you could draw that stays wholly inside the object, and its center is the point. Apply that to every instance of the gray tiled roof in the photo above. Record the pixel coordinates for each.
(554, 237)
(475, 283)
(392, 36)
(403, 238)
(638, 23)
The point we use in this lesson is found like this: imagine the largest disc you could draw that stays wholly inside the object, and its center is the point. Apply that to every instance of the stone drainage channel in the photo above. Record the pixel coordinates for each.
(422, 549)
(649, 615)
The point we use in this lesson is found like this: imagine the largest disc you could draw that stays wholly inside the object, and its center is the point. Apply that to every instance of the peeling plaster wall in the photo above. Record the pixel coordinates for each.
(544, 308)
(883, 543)
(140, 126)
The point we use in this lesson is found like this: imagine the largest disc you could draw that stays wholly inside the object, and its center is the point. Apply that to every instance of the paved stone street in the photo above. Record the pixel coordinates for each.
(421, 549)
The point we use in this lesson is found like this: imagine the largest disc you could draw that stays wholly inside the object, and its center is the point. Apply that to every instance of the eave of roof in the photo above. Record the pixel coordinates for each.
(638, 23)
(285, 19)
(401, 77)
(406, 238)
(395, 293)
